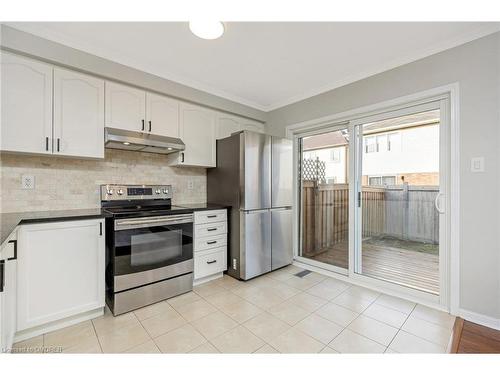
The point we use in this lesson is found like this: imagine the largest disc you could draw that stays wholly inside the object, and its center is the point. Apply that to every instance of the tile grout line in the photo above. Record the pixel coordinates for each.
(147, 332)
(399, 330)
(96, 335)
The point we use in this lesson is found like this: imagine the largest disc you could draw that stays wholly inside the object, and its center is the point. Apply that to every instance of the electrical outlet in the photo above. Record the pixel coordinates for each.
(234, 264)
(27, 181)
(190, 185)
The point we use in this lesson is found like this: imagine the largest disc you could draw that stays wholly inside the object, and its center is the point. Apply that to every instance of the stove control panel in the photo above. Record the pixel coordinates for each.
(135, 192)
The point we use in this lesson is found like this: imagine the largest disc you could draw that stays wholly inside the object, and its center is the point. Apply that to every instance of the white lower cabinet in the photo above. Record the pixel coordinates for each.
(60, 270)
(8, 293)
(210, 244)
(210, 262)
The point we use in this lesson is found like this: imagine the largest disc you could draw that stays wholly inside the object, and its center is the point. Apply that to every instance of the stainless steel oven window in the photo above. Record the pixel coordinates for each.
(155, 247)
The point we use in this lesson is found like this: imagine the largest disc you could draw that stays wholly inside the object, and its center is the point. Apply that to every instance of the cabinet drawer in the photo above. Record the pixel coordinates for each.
(202, 217)
(210, 229)
(209, 262)
(210, 242)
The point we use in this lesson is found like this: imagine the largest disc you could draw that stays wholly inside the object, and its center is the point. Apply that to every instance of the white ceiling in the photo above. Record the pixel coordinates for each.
(263, 65)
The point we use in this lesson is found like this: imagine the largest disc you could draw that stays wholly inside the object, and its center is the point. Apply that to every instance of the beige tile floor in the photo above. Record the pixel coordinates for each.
(274, 313)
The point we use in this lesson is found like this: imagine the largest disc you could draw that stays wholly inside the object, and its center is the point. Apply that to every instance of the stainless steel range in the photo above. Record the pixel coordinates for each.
(149, 246)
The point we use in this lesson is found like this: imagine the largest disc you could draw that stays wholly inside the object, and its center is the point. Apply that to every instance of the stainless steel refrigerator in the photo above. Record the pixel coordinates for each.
(254, 177)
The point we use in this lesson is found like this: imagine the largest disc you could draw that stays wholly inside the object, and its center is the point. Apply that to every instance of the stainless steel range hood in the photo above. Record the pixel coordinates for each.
(143, 142)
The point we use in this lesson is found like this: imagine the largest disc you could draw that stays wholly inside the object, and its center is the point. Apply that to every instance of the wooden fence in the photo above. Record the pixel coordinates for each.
(402, 211)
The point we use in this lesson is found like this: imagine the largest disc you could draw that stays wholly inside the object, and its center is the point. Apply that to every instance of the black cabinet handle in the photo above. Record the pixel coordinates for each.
(143, 124)
(15, 250)
(211, 216)
(2, 275)
(182, 157)
(100, 229)
(149, 125)
(58, 144)
(211, 242)
(211, 229)
(46, 143)
(211, 261)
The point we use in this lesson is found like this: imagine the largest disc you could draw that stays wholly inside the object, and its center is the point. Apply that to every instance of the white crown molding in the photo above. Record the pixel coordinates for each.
(118, 57)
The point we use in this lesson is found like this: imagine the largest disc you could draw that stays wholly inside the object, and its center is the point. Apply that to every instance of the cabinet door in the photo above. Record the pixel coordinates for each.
(125, 107)
(251, 125)
(197, 131)
(162, 115)
(26, 105)
(8, 305)
(226, 125)
(78, 114)
(60, 271)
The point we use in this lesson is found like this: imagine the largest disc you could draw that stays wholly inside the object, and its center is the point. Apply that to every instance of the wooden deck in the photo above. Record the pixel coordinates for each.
(410, 268)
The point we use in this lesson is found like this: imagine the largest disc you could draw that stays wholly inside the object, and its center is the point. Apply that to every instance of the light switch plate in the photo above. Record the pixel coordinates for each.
(27, 181)
(477, 164)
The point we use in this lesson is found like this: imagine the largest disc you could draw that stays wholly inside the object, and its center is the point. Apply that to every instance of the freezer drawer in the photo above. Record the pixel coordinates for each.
(255, 243)
(281, 227)
(282, 172)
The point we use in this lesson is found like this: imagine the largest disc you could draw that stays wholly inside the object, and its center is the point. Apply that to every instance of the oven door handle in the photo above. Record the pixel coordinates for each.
(124, 224)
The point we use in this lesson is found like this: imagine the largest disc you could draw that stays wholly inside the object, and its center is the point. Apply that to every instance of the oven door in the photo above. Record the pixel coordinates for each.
(152, 243)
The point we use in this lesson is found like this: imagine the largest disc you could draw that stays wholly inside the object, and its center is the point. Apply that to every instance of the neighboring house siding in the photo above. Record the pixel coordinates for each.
(416, 151)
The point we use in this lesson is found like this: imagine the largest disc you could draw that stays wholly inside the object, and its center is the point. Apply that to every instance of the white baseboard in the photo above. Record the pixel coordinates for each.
(481, 319)
(53, 326)
(208, 278)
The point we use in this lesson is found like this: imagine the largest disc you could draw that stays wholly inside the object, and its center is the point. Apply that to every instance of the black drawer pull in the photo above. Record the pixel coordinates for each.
(46, 143)
(211, 242)
(142, 124)
(211, 216)
(149, 125)
(58, 143)
(211, 229)
(211, 261)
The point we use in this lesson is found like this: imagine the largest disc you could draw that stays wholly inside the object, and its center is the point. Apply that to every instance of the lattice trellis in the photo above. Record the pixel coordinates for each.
(313, 170)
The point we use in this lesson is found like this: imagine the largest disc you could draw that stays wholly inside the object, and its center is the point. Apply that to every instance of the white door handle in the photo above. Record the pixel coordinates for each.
(436, 203)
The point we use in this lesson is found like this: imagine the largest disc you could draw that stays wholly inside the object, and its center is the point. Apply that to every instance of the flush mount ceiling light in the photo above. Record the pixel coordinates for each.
(207, 29)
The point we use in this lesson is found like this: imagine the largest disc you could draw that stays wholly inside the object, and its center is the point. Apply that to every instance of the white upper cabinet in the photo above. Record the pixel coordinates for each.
(162, 115)
(26, 105)
(228, 124)
(197, 131)
(78, 114)
(125, 107)
(252, 125)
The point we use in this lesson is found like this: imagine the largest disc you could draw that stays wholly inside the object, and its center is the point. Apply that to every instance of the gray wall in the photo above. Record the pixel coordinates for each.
(476, 67)
(33, 46)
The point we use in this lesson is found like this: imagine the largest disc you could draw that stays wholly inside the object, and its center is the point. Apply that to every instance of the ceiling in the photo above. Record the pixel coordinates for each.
(263, 65)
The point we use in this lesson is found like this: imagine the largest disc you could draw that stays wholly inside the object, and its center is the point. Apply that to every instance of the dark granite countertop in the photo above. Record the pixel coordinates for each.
(9, 221)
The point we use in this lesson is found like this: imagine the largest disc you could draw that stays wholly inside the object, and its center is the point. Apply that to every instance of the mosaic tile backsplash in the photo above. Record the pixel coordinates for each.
(67, 183)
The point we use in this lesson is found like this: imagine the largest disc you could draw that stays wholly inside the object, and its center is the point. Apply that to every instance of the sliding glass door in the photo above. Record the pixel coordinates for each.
(398, 181)
(371, 200)
(324, 195)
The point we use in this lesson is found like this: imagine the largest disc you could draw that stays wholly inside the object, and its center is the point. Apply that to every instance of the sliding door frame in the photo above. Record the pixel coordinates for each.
(440, 103)
(450, 291)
